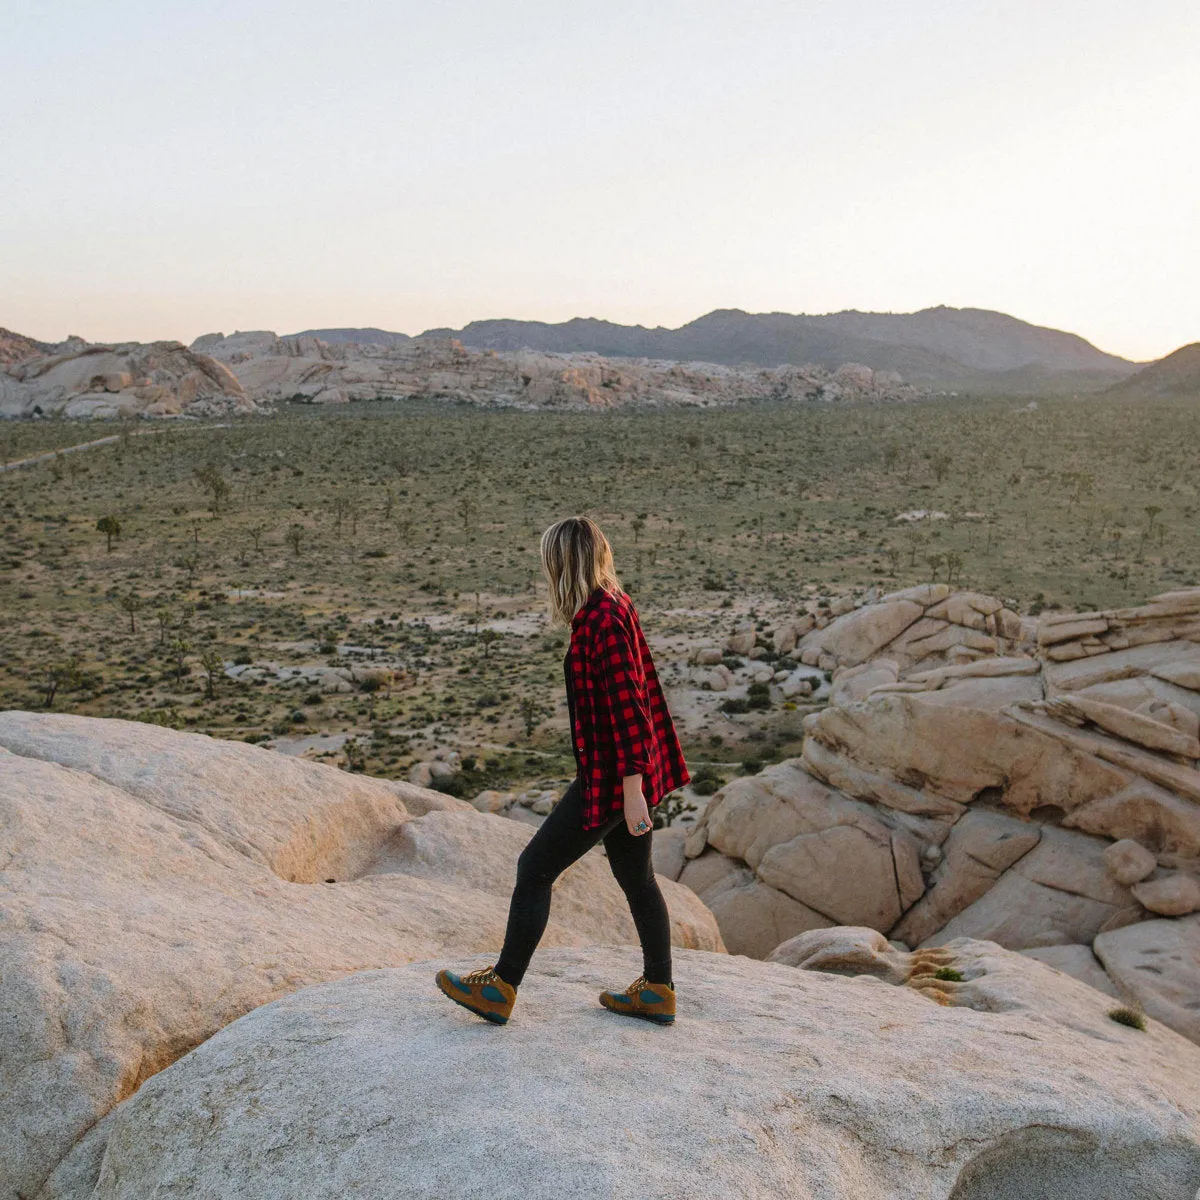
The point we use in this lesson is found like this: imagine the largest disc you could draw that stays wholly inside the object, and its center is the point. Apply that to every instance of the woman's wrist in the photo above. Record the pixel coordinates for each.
(632, 786)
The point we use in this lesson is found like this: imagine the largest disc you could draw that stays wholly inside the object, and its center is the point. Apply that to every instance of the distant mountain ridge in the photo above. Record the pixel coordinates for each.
(936, 347)
(1176, 375)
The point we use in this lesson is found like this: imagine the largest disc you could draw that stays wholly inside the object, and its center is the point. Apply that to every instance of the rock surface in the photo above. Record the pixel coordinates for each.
(1157, 963)
(773, 1081)
(157, 885)
(156, 379)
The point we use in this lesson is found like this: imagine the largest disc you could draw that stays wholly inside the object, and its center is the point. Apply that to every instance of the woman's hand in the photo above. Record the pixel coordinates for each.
(637, 812)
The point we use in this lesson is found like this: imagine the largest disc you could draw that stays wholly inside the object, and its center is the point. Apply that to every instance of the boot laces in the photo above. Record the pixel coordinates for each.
(635, 988)
(486, 975)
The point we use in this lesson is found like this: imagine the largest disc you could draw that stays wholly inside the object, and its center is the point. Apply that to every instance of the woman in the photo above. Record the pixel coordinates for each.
(628, 758)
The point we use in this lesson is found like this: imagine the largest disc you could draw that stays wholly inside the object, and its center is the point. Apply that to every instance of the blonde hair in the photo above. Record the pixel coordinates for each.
(576, 559)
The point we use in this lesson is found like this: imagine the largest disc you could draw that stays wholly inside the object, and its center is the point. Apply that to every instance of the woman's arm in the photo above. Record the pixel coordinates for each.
(632, 727)
(637, 811)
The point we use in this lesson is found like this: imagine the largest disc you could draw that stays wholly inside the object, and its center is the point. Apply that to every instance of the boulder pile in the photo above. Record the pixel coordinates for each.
(246, 371)
(157, 379)
(156, 885)
(1029, 781)
(271, 368)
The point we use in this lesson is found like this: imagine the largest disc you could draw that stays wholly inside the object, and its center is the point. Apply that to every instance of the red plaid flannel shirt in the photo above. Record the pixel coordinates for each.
(621, 725)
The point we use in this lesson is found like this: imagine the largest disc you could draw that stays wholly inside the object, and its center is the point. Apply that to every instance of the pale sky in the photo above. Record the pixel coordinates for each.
(170, 169)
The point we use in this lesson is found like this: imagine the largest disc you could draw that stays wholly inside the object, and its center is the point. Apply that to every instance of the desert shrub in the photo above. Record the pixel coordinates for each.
(670, 808)
(451, 785)
(1130, 1017)
(948, 975)
(706, 781)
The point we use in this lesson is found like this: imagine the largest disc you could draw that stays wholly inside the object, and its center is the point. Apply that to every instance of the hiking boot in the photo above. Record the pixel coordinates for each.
(652, 1001)
(483, 992)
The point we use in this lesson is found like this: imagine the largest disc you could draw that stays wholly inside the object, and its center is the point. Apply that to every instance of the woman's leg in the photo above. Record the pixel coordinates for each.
(559, 841)
(630, 860)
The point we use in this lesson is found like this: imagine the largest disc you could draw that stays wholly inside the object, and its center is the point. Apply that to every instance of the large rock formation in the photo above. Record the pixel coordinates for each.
(1013, 1084)
(157, 885)
(1032, 782)
(16, 347)
(157, 379)
(272, 368)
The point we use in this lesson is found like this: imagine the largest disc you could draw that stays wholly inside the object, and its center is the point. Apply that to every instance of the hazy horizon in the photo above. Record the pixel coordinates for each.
(170, 172)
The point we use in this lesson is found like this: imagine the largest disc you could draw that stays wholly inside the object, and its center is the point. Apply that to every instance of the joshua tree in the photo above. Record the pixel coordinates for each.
(466, 510)
(111, 528)
(132, 603)
(637, 525)
(341, 509)
(293, 537)
(532, 712)
(214, 483)
(63, 674)
(941, 464)
(163, 616)
(189, 563)
(486, 638)
(214, 664)
(355, 755)
(180, 648)
(256, 533)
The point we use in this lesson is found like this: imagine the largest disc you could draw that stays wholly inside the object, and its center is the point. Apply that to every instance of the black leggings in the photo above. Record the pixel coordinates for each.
(559, 842)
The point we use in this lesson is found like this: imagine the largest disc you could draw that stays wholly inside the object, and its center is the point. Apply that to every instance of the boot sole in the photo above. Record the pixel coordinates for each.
(495, 1018)
(657, 1018)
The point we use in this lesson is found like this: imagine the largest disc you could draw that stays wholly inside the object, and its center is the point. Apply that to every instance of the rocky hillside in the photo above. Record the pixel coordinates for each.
(937, 347)
(155, 886)
(1177, 375)
(271, 368)
(1031, 782)
(158, 379)
(15, 348)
